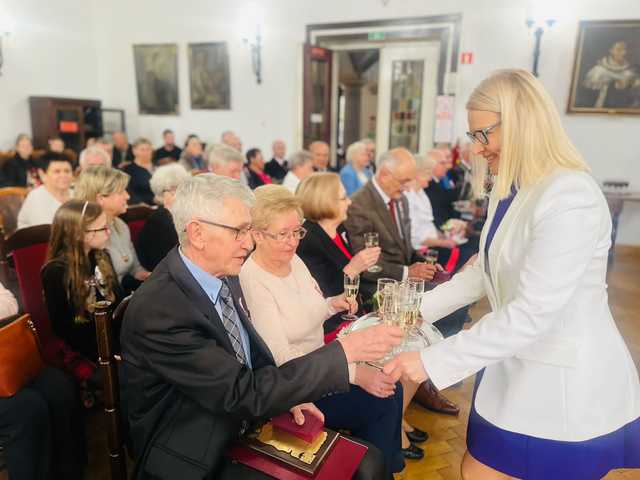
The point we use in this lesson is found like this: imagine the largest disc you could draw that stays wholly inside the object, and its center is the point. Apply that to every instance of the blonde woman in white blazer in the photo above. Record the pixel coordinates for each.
(557, 395)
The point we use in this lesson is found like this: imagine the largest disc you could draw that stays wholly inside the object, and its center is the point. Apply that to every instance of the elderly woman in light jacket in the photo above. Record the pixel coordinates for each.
(357, 171)
(558, 394)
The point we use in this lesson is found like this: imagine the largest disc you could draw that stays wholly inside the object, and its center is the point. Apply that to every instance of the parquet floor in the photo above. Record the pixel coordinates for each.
(446, 444)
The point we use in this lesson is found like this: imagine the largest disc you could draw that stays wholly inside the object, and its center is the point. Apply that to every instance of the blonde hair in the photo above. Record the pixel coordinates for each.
(100, 180)
(272, 201)
(318, 195)
(532, 141)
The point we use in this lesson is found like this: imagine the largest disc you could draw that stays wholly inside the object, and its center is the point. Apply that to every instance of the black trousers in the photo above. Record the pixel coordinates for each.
(42, 430)
(372, 467)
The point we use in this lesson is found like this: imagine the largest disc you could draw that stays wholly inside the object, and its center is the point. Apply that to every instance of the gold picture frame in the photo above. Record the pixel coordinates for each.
(606, 68)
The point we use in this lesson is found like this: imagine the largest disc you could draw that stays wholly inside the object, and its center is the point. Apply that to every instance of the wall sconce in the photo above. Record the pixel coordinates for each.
(252, 37)
(539, 19)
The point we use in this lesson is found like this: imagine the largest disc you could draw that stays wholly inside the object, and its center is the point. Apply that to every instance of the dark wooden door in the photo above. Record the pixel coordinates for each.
(317, 94)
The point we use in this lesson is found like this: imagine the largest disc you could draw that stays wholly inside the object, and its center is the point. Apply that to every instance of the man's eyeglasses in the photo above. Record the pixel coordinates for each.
(404, 183)
(96, 230)
(241, 233)
(283, 236)
(482, 135)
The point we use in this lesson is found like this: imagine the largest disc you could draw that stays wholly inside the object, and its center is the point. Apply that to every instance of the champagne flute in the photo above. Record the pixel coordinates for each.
(351, 286)
(431, 256)
(385, 292)
(371, 239)
(418, 285)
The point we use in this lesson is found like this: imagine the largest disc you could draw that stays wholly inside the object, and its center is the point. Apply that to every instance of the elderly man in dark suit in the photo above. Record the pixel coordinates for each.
(381, 207)
(195, 372)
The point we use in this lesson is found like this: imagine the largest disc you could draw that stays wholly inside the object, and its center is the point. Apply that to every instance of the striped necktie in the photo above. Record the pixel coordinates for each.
(230, 321)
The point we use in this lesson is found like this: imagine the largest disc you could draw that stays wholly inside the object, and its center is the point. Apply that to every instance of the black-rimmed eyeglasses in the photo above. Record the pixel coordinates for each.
(241, 233)
(482, 135)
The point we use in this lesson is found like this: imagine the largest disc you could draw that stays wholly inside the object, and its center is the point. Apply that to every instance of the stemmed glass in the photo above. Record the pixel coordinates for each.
(351, 287)
(386, 302)
(431, 256)
(371, 239)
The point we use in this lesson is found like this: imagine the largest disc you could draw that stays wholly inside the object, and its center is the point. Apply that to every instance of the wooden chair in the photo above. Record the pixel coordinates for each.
(134, 217)
(11, 199)
(111, 387)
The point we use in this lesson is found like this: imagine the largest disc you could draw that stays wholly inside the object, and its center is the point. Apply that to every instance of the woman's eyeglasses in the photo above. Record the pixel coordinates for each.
(283, 236)
(482, 135)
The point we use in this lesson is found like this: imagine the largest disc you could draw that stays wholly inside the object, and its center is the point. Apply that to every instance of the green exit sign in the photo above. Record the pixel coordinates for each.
(376, 35)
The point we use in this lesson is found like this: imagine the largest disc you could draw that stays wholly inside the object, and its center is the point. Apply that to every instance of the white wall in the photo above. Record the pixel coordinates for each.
(84, 48)
(49, 53)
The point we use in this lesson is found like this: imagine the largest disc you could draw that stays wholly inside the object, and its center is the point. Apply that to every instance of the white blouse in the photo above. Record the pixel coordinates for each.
(421, 214)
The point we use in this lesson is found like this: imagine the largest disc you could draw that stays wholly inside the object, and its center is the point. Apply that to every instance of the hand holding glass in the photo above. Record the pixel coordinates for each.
(351, 287)
(371, 239)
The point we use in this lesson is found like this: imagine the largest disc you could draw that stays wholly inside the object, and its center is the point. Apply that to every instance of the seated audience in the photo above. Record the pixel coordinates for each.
(169, 152)
(158, 235)
(21, 170)
(195, 372)
(106, 145)
(300, 167)
(56, 144)
(277, 167)
(320, 156)
(78, 272)
(92, 156)
(140, 173)
(326, 252)
(371, 151)
(122, 150)
(381, 207)
(224, 160)
(255, 168)
(231, 139)
(107, 187)
(191, 157)
(56, 173)
(356, 172)
(41, 425)
(288, 311)
(441, 198)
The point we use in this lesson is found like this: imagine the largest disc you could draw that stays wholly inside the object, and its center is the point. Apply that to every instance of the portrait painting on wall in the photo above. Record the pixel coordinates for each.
(157, 79)
(209, 76)
(606, 71)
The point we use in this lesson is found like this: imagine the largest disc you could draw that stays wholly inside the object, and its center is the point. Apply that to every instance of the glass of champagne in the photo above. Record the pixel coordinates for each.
(431, 256)
(371, 239)
(385, 292)
(351, 286)
(418, 285)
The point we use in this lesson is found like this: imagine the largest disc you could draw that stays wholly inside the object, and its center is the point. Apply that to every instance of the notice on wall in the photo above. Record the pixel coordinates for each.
(444, 119)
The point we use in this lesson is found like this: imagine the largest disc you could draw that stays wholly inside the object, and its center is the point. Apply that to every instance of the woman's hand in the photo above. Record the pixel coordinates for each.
(374, 381)
(343, 303)
(407, 365)
(298, 416)
(372, 343)
(142, 275)
(362, 260)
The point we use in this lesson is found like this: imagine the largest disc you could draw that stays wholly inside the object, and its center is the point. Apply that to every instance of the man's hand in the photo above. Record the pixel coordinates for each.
(407, 365)
(375, 381)
(422, 270)
(298, 416)
(370, 344)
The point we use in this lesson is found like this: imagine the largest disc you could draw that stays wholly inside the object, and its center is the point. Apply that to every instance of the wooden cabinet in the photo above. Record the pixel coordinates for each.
(72, 119)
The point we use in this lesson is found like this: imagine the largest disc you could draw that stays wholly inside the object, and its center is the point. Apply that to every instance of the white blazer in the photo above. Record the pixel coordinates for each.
(556, 365)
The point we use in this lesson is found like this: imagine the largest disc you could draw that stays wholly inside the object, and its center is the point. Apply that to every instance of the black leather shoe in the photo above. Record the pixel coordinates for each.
(413, 453)
(417, 436)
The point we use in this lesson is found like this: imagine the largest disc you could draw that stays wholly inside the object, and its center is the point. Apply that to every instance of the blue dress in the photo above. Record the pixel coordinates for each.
(532, 458)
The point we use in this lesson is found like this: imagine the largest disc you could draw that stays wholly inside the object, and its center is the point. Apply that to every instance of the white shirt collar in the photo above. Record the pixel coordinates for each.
(385, 198)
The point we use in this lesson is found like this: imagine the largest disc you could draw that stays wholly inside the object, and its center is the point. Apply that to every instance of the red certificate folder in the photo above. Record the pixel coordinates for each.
(341, 462)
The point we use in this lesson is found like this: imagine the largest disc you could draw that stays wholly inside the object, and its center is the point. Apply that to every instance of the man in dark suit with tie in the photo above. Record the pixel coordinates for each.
(277, 167)
(195, 372)
(381, 207)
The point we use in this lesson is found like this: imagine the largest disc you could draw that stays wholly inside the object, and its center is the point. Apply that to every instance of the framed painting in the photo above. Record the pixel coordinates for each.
(606, 70)
(157, 79)
(209, 80)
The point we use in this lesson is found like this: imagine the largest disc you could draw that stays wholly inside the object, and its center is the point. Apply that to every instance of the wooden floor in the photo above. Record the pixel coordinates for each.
(446, 444)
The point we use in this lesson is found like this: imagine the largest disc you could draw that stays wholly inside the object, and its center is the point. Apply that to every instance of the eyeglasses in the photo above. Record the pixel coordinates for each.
(482, 135)
(283, 236)
(96, 230)
(241, 233)
(403, 183)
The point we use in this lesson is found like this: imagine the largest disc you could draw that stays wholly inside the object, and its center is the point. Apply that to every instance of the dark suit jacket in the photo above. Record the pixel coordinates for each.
(253, 179)
(139, 187)
(186, 395)
(441, 202)
(369, 213)
(275, 170)
(156, 239)
(119, 157)
(323, 258)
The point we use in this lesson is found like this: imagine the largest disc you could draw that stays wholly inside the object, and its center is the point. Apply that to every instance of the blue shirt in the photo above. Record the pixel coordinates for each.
(211, 286)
